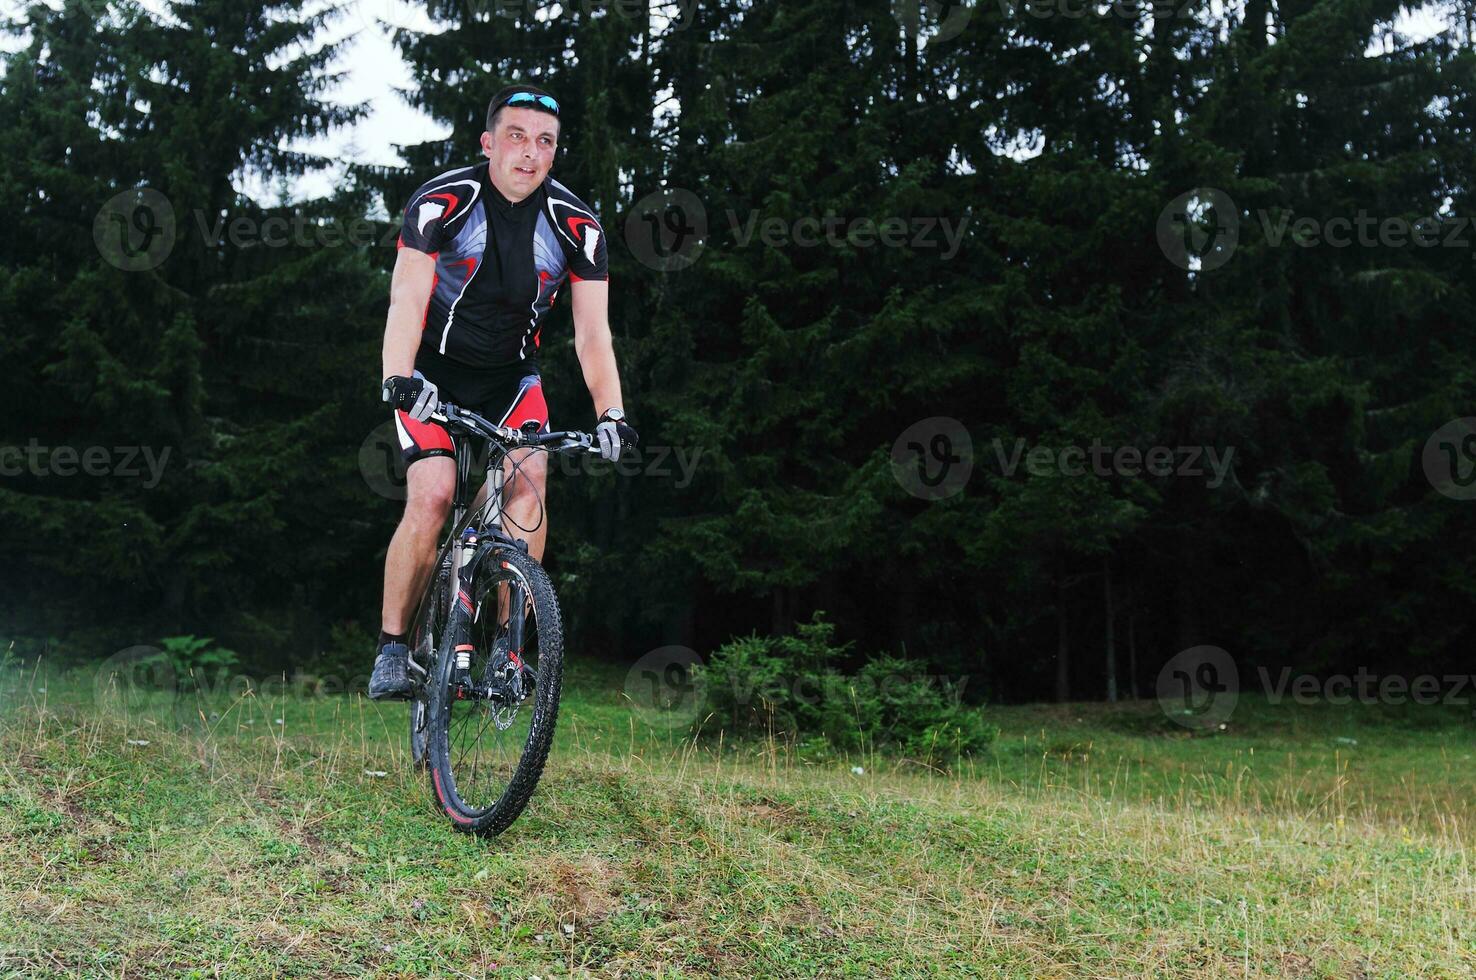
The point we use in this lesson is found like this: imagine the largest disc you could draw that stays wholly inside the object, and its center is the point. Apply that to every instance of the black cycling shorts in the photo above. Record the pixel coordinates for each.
(508, 396)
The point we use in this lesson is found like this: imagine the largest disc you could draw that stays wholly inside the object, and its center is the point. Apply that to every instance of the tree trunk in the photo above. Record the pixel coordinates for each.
(1186, 599)
(1110, 626)
(1063, 649)
(1133, 656)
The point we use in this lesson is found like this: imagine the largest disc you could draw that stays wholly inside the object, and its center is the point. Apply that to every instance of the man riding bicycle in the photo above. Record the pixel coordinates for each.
(483, 253)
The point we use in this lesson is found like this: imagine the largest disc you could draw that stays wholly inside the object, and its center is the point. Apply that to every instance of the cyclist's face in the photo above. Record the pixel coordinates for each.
(521, 150)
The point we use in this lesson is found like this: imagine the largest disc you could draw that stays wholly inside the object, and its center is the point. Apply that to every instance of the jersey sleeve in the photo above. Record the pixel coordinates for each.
(586, 253)
(436, 205)
(423, 222)
(580, 234)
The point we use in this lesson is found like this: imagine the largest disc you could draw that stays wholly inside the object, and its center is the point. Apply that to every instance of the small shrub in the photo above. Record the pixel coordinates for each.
(790, 685)
(193, 658)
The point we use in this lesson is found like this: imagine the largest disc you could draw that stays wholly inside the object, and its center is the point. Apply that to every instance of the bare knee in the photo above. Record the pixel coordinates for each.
(428, 496)
(529, 480)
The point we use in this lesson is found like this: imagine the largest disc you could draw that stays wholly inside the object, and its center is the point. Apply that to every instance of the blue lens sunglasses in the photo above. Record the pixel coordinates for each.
(518, 98)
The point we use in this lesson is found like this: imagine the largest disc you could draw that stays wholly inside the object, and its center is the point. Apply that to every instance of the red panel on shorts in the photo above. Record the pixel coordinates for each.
(419, 438)
(528, 405)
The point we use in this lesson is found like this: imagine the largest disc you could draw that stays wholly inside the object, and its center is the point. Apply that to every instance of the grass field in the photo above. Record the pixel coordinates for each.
(1092, 841)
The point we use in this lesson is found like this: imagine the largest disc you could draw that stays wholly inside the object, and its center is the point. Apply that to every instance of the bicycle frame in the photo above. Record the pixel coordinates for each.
(477, 527)
(485, 518)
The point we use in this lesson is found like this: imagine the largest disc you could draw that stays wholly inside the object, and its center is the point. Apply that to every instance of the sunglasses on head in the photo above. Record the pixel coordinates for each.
(521, 98)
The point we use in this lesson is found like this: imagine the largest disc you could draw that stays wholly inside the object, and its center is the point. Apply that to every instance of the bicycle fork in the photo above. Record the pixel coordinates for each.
(458, 623)
(504, 676)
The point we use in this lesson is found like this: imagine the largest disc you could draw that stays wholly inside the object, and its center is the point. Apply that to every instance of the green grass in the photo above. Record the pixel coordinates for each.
(1093, 841)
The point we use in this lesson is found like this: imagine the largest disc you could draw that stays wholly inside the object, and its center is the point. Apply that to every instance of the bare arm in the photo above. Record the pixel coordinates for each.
(410, 290)
(591, 306)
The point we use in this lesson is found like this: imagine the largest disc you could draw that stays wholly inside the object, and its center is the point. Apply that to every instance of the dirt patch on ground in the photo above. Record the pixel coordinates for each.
(295, 830)
(772, 812)
(45, 785)
(582, 888)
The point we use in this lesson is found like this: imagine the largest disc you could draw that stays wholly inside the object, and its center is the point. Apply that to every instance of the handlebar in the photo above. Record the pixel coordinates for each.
(555, 442)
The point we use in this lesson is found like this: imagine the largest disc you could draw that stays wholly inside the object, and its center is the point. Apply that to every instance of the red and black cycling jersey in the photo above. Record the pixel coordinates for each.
(499, 265)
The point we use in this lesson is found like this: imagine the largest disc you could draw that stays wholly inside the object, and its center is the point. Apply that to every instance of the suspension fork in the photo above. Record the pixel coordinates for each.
(496, 481)
(460, 615)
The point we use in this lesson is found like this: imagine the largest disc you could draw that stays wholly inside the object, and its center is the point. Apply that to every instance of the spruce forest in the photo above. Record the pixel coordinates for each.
(1037, 341)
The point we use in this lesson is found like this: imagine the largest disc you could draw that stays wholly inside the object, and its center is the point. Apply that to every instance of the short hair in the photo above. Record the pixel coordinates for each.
(495, 107)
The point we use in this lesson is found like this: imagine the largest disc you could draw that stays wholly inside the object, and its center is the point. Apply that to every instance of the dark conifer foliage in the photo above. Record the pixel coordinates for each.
(1036, 165)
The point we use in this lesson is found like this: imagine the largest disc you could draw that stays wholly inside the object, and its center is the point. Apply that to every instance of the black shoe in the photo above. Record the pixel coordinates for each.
(391, 678)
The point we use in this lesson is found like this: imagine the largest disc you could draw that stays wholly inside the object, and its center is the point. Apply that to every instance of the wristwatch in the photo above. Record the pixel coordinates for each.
(613, 415)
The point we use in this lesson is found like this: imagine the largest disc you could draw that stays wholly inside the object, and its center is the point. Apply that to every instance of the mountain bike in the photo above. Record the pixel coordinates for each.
(486, 641)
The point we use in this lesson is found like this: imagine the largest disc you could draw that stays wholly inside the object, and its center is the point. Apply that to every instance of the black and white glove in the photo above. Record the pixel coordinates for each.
(417, 396)
(612, 433)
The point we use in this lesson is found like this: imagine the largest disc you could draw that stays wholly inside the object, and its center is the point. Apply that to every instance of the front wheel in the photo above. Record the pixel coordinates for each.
(490, 726)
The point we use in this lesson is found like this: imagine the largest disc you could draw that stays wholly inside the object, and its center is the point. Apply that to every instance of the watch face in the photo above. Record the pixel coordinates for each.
(615, 415)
